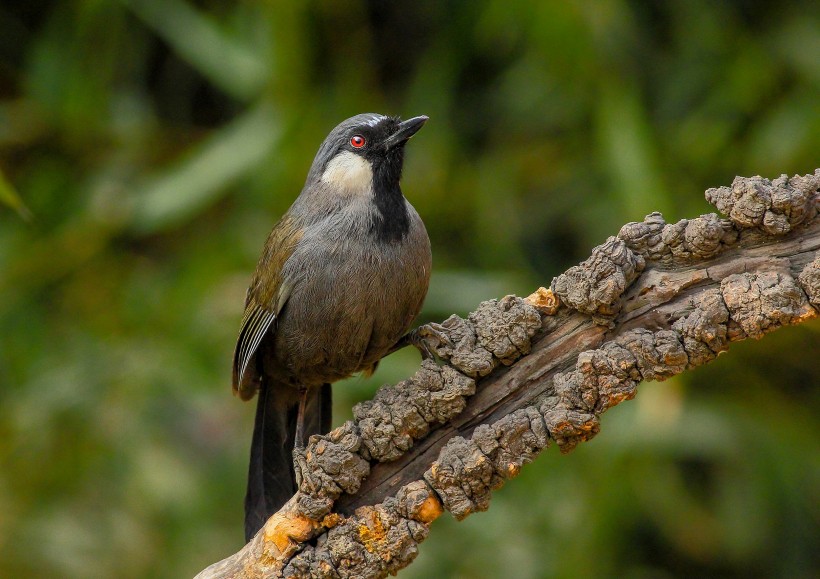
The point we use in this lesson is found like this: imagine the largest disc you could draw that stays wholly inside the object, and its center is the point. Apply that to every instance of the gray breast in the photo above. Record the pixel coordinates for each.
(352, 299)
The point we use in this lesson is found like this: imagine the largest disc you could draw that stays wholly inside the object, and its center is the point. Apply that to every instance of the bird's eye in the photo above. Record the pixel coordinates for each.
(357, 141)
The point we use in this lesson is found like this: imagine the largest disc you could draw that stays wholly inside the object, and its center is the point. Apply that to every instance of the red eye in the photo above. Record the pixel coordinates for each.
(358, 141)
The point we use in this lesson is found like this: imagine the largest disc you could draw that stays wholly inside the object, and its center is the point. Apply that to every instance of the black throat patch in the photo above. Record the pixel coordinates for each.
(391, 221)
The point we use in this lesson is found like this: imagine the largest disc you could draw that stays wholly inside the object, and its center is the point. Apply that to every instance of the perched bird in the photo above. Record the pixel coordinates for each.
(340, 280)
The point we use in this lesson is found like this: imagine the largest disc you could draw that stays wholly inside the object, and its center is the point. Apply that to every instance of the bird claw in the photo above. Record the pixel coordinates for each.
(427, 337)
(300, 469)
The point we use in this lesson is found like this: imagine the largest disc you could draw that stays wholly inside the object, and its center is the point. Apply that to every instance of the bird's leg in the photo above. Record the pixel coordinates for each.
(299, 441)
(299, 460)
(425, 339)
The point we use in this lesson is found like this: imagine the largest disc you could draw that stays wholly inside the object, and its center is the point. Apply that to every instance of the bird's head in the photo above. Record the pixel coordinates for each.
(364, 153)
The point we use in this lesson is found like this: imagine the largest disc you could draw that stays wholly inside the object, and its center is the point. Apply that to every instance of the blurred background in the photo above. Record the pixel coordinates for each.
(148, 146)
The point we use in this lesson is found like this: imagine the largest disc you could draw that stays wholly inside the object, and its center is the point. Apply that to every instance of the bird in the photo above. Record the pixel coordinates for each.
(341, 278)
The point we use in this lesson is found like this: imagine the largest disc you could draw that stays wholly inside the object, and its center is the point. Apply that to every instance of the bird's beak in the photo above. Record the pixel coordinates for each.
(406, 130)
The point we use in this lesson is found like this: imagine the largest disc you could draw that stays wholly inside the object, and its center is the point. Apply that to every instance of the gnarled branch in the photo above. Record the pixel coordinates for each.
(519, 374)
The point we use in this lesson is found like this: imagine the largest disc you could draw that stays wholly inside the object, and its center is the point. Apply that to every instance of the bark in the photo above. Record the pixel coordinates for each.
(520, 374)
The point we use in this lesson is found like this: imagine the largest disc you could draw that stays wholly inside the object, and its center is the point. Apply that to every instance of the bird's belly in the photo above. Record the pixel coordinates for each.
(343, 320)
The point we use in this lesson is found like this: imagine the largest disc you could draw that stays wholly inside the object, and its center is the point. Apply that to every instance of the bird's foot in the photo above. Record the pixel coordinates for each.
(427, 338)
(300, 469)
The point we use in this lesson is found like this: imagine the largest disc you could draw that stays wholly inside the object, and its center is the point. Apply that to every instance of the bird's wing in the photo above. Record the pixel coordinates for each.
(267, 295)
(255, 323)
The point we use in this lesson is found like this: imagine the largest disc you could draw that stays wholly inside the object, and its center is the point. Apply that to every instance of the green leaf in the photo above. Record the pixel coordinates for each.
(229, 64)
(200, 178)
(10, 197)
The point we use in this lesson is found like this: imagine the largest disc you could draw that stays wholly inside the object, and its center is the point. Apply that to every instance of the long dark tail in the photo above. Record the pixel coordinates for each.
(271, 481)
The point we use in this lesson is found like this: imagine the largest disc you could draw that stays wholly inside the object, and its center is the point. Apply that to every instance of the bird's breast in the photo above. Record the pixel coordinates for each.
(353, 299)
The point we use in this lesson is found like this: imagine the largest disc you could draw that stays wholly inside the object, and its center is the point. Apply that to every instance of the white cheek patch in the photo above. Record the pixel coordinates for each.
(349, 172)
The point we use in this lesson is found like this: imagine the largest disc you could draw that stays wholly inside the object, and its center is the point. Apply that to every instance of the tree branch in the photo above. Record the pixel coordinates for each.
(519, 374)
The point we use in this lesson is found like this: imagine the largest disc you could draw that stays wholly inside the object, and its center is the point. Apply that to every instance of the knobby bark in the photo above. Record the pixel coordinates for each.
(519, 374)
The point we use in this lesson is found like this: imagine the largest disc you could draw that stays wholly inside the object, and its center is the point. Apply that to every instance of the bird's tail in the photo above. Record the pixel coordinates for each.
(271, 480)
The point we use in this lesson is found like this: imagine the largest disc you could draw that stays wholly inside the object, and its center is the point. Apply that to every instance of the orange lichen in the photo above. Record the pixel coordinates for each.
(806, 313)
(544, 301)
(513, 469)
(286, 530)
(372, 532)
(331, 520)
(429, 510)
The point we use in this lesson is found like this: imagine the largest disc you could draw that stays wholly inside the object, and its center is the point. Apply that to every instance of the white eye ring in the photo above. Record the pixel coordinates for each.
(357, 141)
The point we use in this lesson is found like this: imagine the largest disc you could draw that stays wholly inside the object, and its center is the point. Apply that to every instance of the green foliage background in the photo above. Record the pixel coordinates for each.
(149, 145)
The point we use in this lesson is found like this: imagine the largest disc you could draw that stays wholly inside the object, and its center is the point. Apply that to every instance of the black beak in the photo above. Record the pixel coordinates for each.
(406, 130)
